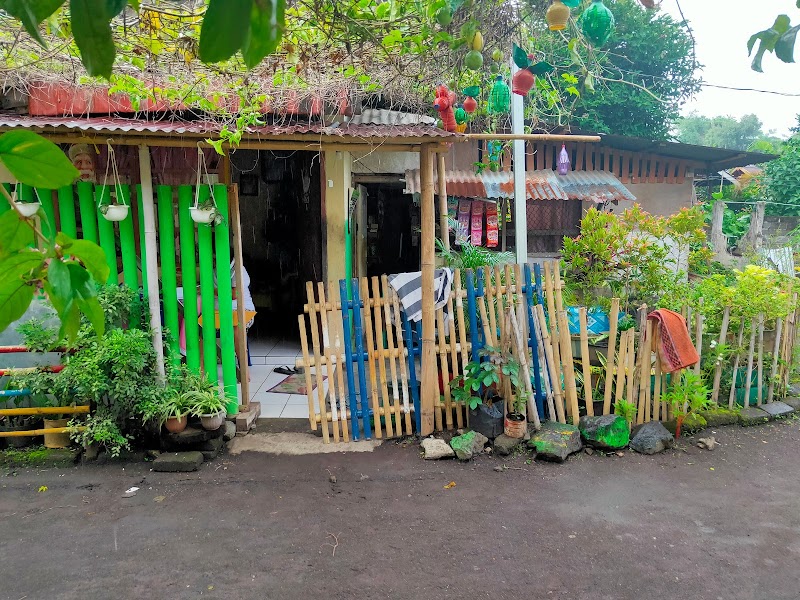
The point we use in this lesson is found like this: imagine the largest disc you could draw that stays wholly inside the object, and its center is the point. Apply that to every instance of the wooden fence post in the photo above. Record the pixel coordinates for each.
(429, 391)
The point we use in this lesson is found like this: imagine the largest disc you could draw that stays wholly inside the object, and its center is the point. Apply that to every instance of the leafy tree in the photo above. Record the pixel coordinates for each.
(725, 132)
(634, 85)
(782, 177)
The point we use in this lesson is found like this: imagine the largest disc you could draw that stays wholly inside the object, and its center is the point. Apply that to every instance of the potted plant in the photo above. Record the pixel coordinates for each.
(475, 389)
(114, 212)
(101, 431)
(208, 405)
(205, 212)
(169, 409)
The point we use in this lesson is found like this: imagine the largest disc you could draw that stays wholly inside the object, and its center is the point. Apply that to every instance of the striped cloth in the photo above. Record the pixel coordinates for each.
(409, 289)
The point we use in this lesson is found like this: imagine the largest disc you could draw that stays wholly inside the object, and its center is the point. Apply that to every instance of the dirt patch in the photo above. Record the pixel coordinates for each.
(295, 444)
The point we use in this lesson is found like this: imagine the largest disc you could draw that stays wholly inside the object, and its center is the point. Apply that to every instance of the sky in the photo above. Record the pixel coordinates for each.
(721, 30)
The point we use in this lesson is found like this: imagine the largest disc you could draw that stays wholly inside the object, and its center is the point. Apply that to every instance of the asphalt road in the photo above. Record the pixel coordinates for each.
(685, 524)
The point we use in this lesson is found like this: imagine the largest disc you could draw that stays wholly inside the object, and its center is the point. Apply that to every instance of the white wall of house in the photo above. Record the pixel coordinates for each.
(662, 199)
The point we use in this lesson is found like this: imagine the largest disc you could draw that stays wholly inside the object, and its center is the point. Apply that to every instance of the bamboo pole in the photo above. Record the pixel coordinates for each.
(444, 372)
(644, 382)
(585, 366)
(387, 313)
(569, 367)
(522, 356)
(301, 322)
(329, 365)
(750, 352)
(380, 353)
(444, 228)
(610, 355)
(127, 243)
(775, 355)
(489, 295)
(760, 363)
(555, 376)
(631, 367)
(452, 335)
(732, 396)
(639, 366)
(151, 257)
(698, 336)
(723, 335)
(403, 370)
(369, 337)
(532, 137)
(429, 391)
(36, 432)
(320, 394)
(225, 298)
(622, 363)
(240, 331)
(45, 410)
(105, 232)
(657, 377)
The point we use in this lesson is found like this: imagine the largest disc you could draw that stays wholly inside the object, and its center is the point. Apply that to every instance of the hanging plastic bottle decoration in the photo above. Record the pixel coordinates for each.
(563, 161)
(557, 16)
(470, 104)
(597, 23)
(499, 97)
(444, 104)
(461, 119)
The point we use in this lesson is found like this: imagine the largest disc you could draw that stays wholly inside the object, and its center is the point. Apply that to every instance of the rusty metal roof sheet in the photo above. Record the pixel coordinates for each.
(205, 128)
(595, 186)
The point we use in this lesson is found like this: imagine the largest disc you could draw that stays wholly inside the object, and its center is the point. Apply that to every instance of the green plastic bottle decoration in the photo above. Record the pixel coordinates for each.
(461, 115)
(499, 97)
(597, 23)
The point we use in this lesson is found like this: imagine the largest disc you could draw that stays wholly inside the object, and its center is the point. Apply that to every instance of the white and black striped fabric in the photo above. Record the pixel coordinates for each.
(409, 289)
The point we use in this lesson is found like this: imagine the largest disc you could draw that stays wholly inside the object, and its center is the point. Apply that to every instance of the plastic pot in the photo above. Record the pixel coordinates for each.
(114, 212)
(202, 215)
(28, 209)
(213, 422)
(176, 424)
(522, 82)
(56, 440)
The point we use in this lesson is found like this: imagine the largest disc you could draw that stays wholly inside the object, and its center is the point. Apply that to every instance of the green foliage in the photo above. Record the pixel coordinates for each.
(472, 257)
(37, 336)
(169, 404)
(721, 132)
(35, 161)
(626, 410)
(779, 39)
(101, 430)
(687, 390)
(488, 373)
(635, 85)
(782, 179)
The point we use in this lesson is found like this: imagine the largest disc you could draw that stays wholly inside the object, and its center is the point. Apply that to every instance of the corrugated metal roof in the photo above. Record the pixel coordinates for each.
(383, 116)
(595, 186)
(205, 128)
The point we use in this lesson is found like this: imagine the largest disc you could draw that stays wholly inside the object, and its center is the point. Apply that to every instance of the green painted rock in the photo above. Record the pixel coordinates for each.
(716, 417)
(468, 445)
(607, 432)
(691, 423)
(556, 441)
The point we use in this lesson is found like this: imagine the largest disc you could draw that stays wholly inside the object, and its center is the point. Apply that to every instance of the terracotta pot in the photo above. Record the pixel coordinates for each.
(557, 16)
(513, 428)
(56, 440)
(176, 425)
(522, 82)
(213, 422)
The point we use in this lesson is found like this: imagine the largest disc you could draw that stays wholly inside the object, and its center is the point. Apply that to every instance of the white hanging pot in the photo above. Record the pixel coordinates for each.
(114, 212)
(28, 209)
(203, 215)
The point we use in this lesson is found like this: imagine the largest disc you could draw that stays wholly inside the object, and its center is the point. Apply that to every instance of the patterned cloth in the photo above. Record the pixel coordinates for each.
(409, 289)
(675, 347)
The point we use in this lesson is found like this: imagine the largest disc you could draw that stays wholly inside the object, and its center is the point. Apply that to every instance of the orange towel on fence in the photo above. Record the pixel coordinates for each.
(674, 344)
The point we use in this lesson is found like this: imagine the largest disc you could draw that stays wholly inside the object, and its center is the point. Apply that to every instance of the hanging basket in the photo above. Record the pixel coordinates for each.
(204, 216)
(28, 209)
(114, 212)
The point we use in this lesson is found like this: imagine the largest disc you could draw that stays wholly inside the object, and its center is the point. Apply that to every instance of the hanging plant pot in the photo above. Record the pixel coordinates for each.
(176, 424)
(557, 16)
(205, 216)
(114, 212)
(515, 425)
(522, 82)
(597, 23)
(28, 209)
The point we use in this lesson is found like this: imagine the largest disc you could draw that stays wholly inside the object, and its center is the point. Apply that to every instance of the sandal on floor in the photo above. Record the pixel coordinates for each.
(284, 370)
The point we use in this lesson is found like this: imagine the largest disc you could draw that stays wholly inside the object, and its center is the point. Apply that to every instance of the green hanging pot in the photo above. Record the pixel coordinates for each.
(597, 23)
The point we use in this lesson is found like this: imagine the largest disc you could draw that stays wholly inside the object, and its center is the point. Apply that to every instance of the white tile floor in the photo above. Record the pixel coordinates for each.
(265, 356)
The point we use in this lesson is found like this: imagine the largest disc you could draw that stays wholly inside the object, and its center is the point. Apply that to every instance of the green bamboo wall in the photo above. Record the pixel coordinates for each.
(182, 245)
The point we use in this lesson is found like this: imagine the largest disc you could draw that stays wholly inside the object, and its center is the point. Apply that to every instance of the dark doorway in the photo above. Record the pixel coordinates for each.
(393, 231)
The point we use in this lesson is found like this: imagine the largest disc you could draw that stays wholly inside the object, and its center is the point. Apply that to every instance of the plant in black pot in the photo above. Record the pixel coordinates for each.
(477, 388)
